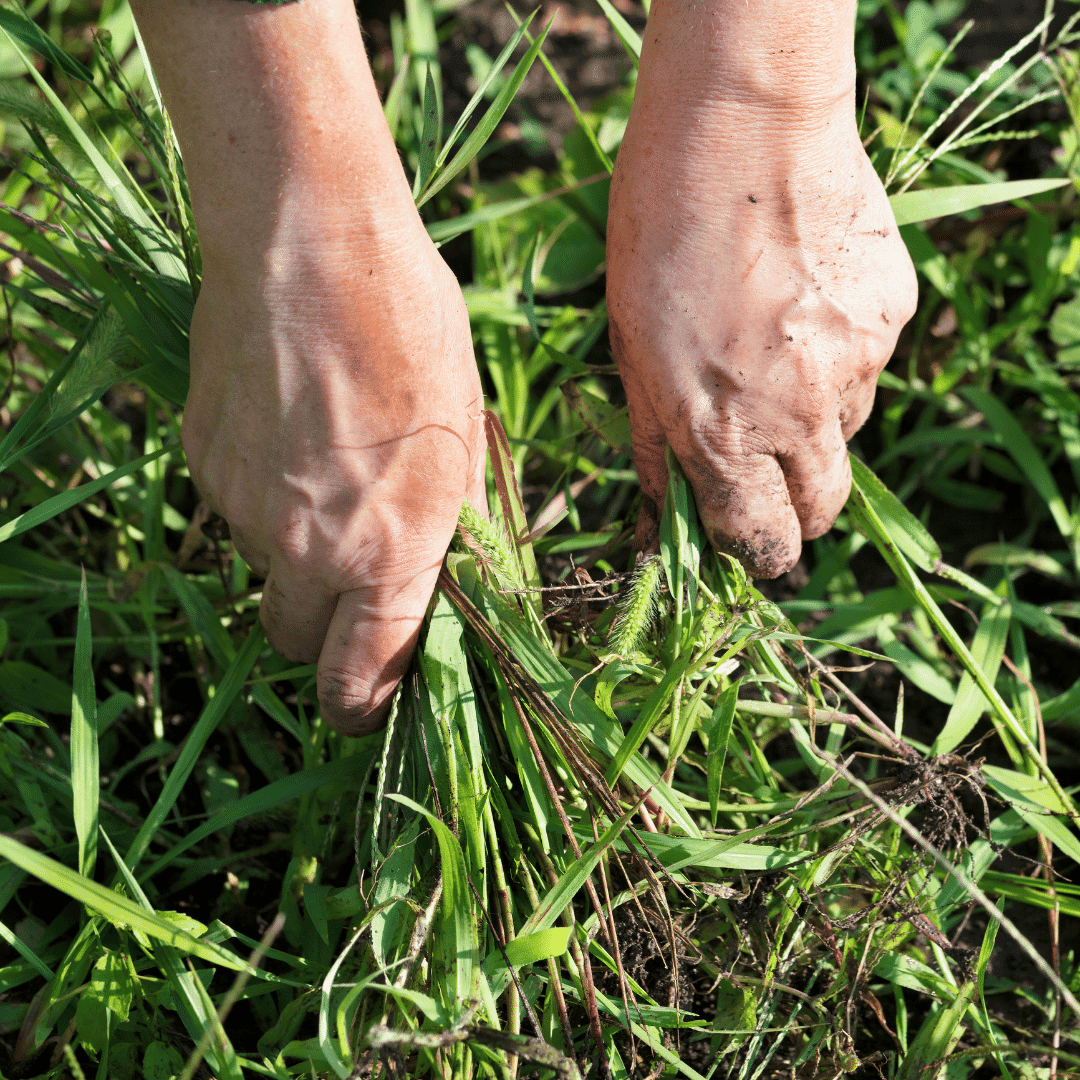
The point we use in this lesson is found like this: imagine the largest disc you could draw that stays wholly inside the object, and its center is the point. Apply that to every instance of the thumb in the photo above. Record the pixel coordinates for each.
(367, 649)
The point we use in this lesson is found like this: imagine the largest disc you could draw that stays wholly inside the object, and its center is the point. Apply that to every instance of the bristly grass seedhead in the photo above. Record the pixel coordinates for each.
(490, 539)
(639, 609)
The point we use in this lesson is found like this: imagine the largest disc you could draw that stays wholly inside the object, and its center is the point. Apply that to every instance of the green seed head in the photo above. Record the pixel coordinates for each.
(638, 610)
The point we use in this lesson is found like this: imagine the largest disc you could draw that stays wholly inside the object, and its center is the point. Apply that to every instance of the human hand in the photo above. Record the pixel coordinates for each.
(335, 421)
(756, 286)
(335, 411)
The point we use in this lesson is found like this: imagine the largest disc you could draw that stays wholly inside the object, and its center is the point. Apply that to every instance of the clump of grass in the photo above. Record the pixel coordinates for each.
(721, 859)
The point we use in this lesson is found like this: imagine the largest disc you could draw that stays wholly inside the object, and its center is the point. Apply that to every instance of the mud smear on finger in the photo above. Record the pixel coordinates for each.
(763, 556)
(764, 552)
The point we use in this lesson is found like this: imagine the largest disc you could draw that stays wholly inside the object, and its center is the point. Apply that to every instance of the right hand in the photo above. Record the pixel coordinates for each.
(335, 422)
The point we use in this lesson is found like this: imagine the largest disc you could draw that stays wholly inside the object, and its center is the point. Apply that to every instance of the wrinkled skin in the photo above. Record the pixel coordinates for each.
(334, 417)
(756, 286)
(338, 431)
(335, 411)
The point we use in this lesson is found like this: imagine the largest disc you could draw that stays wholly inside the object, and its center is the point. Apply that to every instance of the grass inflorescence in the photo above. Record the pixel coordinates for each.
(628, 818)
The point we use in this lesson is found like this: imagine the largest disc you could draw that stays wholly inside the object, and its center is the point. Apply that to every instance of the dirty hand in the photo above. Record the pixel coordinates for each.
(756, 278)
(335, 411)
(334, 420)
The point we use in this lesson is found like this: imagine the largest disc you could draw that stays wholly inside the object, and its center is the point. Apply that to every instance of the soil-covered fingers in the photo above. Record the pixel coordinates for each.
(743, 501)
(818, 478)
(367, 649)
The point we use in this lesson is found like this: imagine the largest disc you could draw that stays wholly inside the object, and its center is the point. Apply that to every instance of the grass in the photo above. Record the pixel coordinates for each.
(623, 822)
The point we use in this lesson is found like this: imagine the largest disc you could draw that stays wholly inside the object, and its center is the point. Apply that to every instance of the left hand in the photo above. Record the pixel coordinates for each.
(757, 283)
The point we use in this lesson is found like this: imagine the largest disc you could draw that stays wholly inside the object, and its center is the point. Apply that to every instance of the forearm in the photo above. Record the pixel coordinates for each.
(279, 122)
(793, 58)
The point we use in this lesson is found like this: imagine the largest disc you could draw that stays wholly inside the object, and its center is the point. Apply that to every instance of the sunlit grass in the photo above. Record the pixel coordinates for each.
(624, 820)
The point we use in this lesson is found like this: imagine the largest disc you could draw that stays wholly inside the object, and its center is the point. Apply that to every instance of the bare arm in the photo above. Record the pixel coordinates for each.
(756, 278)
(334, 411)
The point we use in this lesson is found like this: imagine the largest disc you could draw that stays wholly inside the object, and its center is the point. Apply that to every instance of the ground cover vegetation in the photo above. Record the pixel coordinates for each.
(628, 818)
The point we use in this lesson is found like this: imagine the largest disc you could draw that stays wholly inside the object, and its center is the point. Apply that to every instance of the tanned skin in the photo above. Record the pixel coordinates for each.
(756, 285)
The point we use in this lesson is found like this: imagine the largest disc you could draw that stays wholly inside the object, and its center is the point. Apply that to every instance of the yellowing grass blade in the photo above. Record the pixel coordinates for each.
(85, 786)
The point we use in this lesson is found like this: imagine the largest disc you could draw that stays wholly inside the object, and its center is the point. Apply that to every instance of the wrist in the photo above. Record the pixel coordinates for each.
(788, 59)
(280, 124)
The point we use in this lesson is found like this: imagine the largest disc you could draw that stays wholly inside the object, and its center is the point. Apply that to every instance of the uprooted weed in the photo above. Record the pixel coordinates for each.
(627, 818)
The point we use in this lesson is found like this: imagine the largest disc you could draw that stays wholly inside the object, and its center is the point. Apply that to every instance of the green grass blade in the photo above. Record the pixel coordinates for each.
(396, 95)
(166, 263)
(986, 950)
(1065, 706)
(85, 786)
(630, 38)
(483, 130)
(13, 447)
(28, 32)
(914, 667)
(865, 519)
(913, 206)
(599, 729)
(441, 231)
(528, 285)
(939, 1033)
(658, 701)
(195, 1008)
(429, 138)
(458, 930)
(539, 945)
(586, 127)
(25, 952)
(513, 508)
(116, 908)
(326, 1044)
(555, 901)
(58, 504)
(906, 530)
(481, 90)
(987, 649)
(1024, 452)
(231, 685)
(719, 732)
(227, 1064)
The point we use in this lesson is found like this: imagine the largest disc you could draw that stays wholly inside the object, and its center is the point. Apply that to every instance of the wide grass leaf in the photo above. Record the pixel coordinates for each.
(116, 908)
(532, 948)
(556, 900)
(458, 927)
(940, 1032)
(912, 206)
(987, 649)
(906, 530)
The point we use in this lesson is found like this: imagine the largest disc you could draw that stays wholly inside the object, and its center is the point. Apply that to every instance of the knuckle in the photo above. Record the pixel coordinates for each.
(736, 436)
